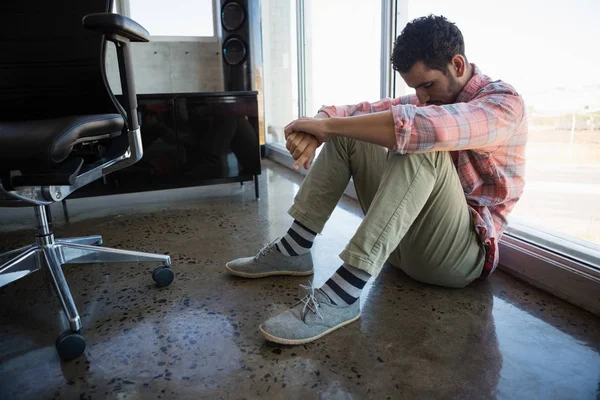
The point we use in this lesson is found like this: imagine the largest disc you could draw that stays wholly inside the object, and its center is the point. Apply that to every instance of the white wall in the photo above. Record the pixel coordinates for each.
(171, 67)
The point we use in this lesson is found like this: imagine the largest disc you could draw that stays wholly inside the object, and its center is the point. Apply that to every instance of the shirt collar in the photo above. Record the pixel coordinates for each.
(473, 85)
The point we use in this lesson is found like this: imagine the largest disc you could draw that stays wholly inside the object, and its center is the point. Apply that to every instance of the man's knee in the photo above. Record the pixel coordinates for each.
(341, 143)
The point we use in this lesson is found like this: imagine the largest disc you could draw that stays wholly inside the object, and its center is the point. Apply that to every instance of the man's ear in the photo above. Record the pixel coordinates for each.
(459, 64)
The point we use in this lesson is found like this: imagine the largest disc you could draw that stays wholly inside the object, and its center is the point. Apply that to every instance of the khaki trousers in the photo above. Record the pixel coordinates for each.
(416, 214)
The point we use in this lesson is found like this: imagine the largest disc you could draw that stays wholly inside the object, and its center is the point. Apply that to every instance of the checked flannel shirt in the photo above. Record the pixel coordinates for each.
(485, 131)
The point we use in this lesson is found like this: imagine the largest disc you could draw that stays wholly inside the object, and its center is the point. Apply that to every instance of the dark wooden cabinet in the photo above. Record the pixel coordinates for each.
(190, 139)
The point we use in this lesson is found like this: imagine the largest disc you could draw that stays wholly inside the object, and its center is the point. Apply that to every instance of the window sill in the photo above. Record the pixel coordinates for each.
(570, 278)
(563, 276)
(582, 252)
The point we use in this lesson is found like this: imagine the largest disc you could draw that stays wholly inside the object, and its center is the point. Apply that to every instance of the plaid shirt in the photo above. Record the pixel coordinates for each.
(485, 131)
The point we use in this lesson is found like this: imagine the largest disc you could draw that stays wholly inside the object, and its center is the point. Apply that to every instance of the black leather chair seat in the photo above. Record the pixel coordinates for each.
(49, 142)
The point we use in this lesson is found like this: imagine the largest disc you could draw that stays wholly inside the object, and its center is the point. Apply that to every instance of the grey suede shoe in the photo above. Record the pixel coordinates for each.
(268, 261)
(314, 317)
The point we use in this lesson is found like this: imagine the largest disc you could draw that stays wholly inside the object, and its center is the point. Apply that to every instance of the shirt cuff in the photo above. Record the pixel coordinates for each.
(403, 116)
(329, 110)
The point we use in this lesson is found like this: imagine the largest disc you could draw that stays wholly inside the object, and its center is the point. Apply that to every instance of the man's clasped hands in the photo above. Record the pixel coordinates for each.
(303, 137)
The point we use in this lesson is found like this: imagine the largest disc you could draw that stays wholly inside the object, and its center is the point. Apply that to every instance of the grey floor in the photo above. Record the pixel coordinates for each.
(198, 338)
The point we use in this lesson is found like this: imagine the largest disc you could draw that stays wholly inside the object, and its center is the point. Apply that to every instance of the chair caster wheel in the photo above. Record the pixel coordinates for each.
(70, 345)
(163, 276)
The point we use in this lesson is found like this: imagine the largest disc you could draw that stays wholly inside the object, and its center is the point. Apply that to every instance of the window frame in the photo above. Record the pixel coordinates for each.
(557, 273)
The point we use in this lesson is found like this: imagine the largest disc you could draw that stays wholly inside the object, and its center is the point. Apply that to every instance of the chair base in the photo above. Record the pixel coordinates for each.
(52, 254)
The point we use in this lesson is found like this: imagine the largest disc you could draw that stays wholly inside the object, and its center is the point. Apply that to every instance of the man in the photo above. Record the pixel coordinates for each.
(436, 175)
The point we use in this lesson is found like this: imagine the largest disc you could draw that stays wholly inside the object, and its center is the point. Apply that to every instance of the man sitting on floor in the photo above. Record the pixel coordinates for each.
(436, 175)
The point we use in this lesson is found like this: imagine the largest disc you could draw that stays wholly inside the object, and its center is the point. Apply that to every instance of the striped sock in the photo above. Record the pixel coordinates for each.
(297, 241)
(345, 286)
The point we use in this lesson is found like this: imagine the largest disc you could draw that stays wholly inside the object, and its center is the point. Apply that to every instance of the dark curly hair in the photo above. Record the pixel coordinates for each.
(431, 39)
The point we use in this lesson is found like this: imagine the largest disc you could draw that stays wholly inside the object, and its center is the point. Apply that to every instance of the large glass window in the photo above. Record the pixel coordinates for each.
(343, 52)
(548, 51)
(340, 57)
(280, 63)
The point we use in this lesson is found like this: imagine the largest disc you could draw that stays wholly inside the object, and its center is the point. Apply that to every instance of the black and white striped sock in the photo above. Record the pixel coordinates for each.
(298, 240)
(346, 285)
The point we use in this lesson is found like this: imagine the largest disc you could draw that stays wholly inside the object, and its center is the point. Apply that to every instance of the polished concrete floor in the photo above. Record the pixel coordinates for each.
(198, 338)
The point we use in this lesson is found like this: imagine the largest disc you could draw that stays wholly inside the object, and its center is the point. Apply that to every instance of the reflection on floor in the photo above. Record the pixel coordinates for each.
(198, 338)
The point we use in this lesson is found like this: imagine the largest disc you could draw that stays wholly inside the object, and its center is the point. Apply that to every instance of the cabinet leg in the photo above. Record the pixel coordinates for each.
(256, 192)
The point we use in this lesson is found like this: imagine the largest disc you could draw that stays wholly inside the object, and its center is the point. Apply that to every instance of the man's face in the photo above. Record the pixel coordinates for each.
(433, 87)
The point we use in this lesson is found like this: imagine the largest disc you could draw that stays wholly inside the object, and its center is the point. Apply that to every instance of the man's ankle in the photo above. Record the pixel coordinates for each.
(297, 241)
(345, 285)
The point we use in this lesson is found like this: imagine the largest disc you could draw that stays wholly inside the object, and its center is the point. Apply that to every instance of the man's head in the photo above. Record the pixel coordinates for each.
(430, 56)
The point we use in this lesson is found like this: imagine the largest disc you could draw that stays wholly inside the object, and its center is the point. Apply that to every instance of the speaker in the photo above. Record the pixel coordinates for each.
(235, 44)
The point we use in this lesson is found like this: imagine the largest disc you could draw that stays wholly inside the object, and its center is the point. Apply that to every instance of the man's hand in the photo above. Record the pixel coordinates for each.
(302, 147)
(313, 126)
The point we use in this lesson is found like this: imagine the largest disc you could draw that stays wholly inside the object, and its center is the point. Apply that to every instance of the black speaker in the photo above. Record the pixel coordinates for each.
(236, 42)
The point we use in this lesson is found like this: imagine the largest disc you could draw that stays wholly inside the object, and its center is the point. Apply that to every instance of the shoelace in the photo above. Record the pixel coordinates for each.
(265, 250)
(310, 301)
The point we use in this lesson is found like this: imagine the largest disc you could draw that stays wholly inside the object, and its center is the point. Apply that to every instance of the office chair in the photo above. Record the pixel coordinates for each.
(61, 128)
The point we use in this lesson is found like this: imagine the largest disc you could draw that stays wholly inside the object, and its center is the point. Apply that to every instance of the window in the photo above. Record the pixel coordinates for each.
(280, 63)
(176, 18)
(325, 70)
(343, 52)
(549, 55)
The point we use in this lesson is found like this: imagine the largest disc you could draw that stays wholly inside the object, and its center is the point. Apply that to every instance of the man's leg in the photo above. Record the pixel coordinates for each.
(340, 159)
(418, 190)
(420, 219)
(453, 257)
(418, 194)
(441, 246)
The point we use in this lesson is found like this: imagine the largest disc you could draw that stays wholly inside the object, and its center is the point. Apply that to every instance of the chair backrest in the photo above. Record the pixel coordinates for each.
(50, 66)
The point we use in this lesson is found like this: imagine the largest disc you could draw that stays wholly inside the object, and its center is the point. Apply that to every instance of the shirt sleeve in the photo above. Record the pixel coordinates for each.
(485, 122)
(365, 107)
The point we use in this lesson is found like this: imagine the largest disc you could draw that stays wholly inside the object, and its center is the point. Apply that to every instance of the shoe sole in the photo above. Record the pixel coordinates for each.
(265, 274)
(280, 340)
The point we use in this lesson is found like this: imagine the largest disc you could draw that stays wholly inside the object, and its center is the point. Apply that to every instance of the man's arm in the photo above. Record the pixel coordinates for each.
(376, 128)
(366, 107)
(358, 109)
(302, 145)
(482, 123)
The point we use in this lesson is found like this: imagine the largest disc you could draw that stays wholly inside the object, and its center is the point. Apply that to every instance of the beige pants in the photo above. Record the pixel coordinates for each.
(416, 214)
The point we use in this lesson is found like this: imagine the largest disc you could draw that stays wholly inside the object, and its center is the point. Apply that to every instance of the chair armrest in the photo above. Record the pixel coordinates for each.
(116, 24)
(122, 31)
